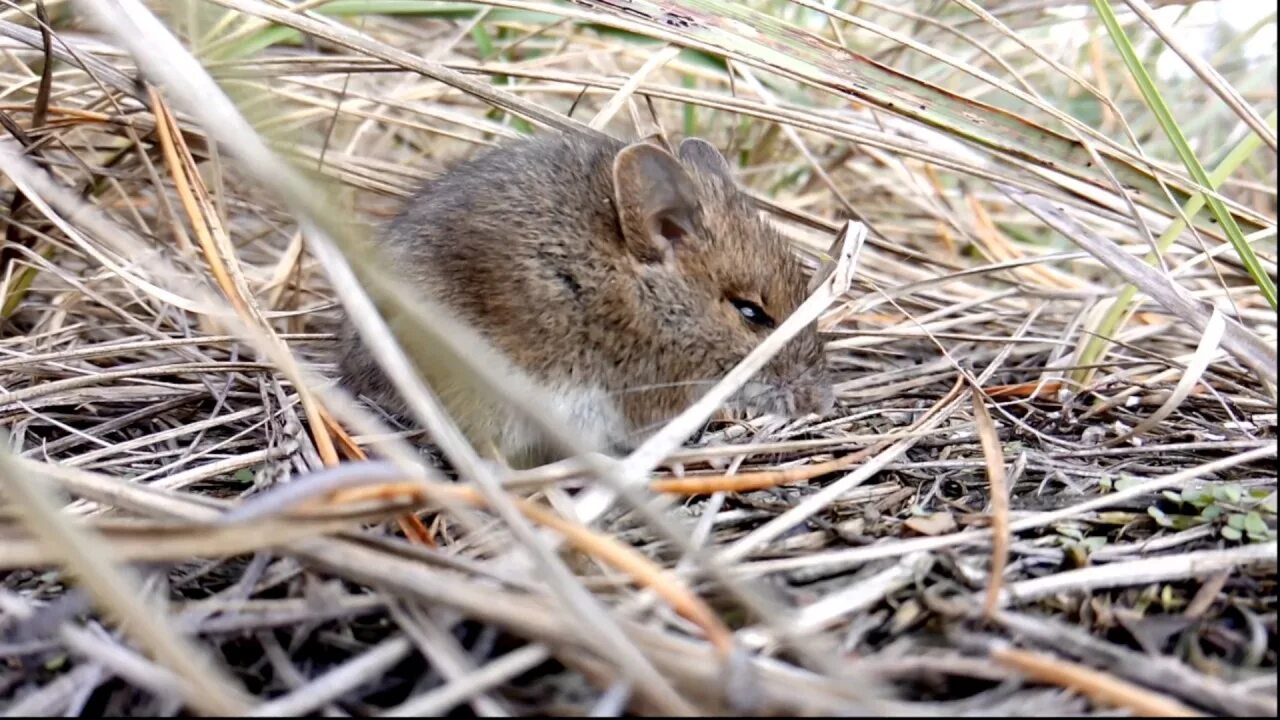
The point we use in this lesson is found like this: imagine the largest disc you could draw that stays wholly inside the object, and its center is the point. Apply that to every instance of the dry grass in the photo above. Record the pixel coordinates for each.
(189, 523)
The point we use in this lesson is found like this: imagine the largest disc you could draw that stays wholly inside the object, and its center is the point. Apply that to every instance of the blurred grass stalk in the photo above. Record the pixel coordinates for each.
(1122, 308)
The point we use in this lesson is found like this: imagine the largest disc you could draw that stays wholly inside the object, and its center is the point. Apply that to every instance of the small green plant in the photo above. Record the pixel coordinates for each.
(1239, 513)
(1078, 546)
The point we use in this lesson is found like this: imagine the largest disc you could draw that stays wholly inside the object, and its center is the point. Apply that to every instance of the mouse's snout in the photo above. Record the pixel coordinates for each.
(814, 396)
(812, 392)
(807, 394)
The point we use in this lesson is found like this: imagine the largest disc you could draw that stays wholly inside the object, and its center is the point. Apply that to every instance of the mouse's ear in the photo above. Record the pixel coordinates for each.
(656, 201)
(706, 158)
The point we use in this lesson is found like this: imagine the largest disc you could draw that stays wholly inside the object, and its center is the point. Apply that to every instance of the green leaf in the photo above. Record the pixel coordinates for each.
(1254, 524)
(1227, 493)
(25, 275)
(484, 43)
(1095, 542)
(689, 113)
(1235, 520)
(1197, 496)
(1116, 517)
(1211, 512)
(1159, 516)
(261, 40)
(1125, 482)
(1231, 533)
(1070, 531)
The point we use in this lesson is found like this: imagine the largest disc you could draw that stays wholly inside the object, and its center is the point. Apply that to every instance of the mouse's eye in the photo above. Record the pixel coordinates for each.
(753, 313)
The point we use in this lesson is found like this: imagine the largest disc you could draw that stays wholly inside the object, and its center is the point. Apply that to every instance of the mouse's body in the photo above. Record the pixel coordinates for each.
(621, 279)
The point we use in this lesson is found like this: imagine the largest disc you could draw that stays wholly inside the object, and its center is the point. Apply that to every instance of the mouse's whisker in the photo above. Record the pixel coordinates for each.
(661, 386)
(646, 429)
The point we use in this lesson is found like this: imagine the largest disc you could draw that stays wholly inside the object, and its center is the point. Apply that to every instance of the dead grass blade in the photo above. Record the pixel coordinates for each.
(993, 454)
(1188, 379)
(346, 37)
(898, 548)
(773, 47)
(1147, 570)
(1099, 686)
(378, 477)
(819, 500)
(205, 687)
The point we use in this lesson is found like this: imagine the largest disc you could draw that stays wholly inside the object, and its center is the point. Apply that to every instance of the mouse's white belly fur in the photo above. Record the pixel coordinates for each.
(591, 414)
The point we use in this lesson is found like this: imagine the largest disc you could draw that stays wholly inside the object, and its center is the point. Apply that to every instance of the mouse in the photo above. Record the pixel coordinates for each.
(622, 277)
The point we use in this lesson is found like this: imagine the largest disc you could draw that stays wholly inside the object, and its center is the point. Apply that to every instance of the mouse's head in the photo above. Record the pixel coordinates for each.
(711, 280)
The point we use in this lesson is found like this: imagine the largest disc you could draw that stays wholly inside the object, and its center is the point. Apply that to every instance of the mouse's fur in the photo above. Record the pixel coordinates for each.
(608, 272)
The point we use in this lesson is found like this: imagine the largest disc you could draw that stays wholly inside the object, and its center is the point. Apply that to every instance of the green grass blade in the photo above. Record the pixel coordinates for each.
(1160, 109)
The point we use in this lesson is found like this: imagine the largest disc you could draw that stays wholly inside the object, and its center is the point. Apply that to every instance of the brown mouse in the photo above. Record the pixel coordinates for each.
(621, 278)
